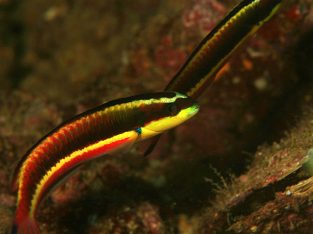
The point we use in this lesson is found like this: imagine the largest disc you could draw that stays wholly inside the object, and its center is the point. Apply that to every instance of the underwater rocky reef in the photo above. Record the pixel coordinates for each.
(244, 164)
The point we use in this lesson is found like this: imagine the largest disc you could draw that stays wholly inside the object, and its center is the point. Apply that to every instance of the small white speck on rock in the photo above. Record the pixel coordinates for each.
(236, 80)
(288, 192)
(261, 84)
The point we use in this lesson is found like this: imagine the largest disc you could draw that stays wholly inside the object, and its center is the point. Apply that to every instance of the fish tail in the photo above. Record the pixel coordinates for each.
(26, 226)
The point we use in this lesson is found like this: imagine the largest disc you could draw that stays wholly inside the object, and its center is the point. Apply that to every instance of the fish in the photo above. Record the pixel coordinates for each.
(104, 130)
(199, 70)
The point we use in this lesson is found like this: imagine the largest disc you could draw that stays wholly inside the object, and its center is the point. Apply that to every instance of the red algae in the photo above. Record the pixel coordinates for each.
(167, 57)
(204, 14)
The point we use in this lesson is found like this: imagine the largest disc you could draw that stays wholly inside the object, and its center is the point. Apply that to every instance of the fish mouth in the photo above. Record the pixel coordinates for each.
(193, 110)
(189, 112)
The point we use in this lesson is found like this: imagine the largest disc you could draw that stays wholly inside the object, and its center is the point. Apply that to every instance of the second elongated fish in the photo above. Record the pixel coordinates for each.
(212, 52)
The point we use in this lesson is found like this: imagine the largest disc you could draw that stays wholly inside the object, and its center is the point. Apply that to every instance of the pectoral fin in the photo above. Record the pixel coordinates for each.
(152, 145)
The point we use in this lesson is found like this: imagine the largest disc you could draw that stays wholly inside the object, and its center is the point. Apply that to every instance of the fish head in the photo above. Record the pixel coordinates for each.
(168, 113)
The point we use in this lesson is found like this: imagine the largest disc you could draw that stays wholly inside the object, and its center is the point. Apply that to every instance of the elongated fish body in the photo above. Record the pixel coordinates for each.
(198, 72)
(100, 131)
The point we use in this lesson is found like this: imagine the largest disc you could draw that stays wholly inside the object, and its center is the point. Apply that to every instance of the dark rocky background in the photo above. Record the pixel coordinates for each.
(242, 165)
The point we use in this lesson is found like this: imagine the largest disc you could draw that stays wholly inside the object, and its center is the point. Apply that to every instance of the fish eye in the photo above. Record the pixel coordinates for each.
(173, 109)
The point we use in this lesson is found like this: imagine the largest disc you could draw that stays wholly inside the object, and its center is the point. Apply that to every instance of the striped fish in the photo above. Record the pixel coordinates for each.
(100, 131)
